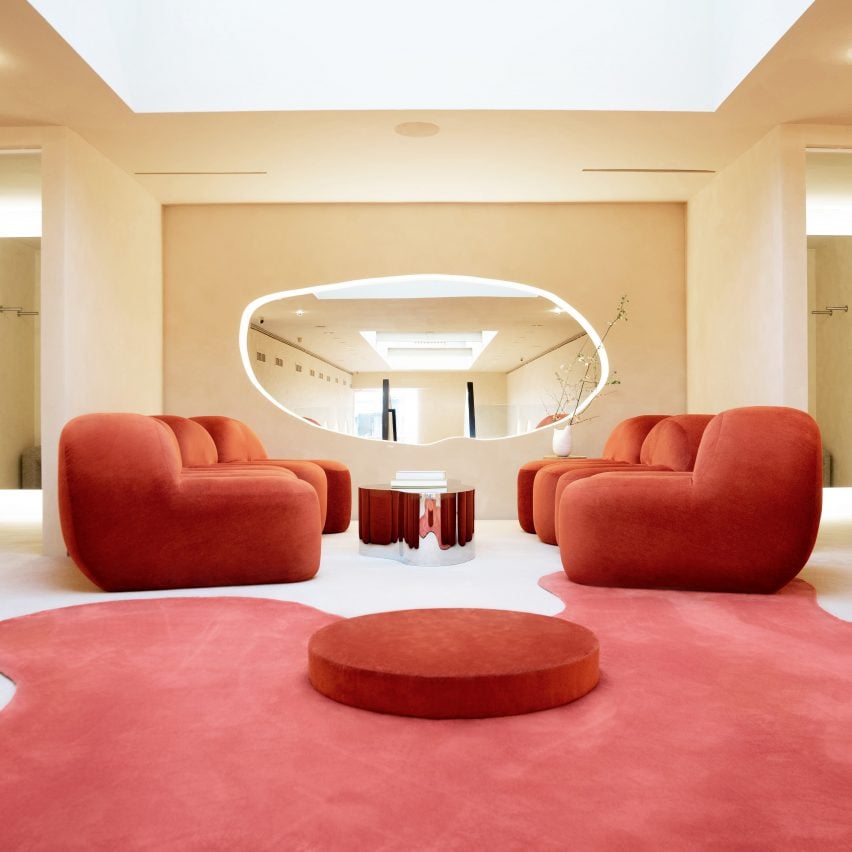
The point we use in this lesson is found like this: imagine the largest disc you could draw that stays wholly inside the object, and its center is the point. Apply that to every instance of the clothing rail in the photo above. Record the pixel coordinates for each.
(830, 309)
(6, 309)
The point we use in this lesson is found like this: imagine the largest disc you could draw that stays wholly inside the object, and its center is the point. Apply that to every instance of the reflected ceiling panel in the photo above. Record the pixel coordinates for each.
(430, 350)
(517, 329)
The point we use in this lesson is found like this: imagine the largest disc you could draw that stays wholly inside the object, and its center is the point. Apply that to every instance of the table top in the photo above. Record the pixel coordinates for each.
(453, 486)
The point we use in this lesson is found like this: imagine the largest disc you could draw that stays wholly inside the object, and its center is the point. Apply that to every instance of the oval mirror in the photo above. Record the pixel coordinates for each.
(417, 358)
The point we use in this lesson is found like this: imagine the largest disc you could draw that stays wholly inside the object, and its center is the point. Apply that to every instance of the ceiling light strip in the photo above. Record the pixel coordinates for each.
(657, 171)
(201, 173)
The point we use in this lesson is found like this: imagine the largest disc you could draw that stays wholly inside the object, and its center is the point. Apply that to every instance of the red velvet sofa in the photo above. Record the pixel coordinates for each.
(744, 520)
(237, 442)
(133, 517)
(671, 444)
(622, 447)
(198, 451)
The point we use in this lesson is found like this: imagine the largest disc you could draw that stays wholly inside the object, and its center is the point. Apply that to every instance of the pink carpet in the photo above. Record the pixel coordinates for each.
(721, 722)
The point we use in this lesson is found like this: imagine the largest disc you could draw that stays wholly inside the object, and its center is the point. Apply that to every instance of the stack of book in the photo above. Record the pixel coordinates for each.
(420, 480)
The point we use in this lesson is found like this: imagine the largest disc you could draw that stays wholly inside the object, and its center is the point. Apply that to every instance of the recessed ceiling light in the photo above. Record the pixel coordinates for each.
(658, 171)
(416, 128)
(300, 313)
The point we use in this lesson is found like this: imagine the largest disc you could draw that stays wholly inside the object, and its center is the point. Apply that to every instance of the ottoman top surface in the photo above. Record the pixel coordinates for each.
(453, 643)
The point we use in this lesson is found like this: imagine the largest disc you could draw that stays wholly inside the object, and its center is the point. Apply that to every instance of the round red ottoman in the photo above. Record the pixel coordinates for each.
(453, 663)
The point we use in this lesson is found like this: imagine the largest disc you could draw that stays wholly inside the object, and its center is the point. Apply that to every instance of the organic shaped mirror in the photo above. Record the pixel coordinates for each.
(409, 354)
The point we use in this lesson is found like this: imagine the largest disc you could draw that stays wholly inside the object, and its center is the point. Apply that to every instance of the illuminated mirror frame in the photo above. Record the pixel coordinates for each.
(406, 280)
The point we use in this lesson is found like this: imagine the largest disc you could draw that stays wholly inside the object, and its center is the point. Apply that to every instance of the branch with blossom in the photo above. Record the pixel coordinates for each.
(578, 378)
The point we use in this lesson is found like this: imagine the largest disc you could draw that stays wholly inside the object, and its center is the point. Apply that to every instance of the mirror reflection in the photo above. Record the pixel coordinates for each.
(410, 354)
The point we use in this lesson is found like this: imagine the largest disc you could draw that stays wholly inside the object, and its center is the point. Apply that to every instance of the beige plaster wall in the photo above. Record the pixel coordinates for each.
(101, 294)
(736, 286)
(37, 348)
(833, 343)
(747, 293)
(18, 337)
(812, 326)
(218, 258)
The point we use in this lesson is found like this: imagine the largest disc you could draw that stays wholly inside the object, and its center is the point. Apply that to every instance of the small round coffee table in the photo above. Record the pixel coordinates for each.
(417, 526)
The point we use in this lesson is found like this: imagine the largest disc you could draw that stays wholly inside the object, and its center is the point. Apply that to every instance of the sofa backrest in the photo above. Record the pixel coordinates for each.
(625, 441)
(197, 448)
(673, 443)
(235, 441)
(770, 448)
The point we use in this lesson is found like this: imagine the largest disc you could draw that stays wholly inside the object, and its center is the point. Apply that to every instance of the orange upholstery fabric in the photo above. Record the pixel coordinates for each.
(134, 518)
(196, 446)
(745, 520)
(526, 477)
(625, 442)
(339, 484)
(453, 663)
(237, 442)
(197, 449)
(548, 492)
(671, 444)
(623, 445)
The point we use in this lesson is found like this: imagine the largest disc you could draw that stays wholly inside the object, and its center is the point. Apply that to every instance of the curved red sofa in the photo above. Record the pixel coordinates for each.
(237, 442)
(198, 451)
(622, 447)
(672, 444)
(133, 517)
(745, 520)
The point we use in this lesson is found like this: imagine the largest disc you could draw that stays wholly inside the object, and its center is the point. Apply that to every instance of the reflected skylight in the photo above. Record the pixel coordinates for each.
(429, 351)
(251, 55)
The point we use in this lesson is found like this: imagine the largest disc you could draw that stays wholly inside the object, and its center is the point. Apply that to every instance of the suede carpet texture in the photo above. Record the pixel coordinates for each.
(721, 721)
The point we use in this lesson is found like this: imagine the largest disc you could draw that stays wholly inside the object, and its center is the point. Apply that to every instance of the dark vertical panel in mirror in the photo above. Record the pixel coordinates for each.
(385, 408)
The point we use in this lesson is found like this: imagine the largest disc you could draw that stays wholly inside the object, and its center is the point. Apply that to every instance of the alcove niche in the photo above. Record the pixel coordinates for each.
(426, 357)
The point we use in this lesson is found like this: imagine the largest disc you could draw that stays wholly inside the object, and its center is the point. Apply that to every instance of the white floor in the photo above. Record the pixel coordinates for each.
(504, 574)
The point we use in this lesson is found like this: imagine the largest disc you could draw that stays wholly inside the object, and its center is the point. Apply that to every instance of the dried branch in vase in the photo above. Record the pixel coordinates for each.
(578, 378)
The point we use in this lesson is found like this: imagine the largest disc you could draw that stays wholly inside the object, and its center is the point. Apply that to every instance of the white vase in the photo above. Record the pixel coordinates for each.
(562, 441)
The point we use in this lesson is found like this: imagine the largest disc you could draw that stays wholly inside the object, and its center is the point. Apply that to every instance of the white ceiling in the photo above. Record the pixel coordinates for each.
(264, 55)
(479, 155)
